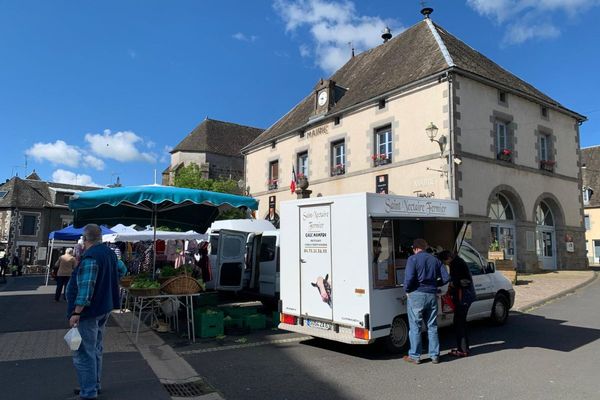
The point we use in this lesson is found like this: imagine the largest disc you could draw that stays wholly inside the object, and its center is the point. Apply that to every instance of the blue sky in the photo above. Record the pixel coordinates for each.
(94, 90)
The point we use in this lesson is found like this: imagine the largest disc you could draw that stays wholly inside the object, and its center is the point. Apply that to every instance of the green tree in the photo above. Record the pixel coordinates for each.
(189, 177)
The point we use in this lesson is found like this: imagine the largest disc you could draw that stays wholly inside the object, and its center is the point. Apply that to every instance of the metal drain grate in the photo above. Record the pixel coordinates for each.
(191, 389)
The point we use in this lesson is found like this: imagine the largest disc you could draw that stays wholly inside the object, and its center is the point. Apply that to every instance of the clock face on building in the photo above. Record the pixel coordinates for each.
(322, 98)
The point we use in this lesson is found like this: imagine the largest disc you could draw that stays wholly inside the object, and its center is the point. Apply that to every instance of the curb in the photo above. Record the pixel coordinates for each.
(536, 304)
(167, 365)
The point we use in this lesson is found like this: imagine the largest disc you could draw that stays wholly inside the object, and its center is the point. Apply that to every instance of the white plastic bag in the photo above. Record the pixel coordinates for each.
(73, 338)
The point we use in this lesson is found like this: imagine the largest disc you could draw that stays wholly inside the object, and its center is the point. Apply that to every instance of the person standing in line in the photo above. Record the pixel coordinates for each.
(92, 293)
(65, 264)
(424, 273)
(16, 263)
(3, 267)
(462, 290)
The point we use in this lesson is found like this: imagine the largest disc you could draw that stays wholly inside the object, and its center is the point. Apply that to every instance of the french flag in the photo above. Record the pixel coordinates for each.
(293, 182)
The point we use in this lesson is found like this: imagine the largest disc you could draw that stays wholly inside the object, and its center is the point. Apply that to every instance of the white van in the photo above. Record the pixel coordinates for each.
(245, 256)
(334, 286)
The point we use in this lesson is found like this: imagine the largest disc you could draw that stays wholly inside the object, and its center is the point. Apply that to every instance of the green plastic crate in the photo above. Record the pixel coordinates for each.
(208, 324)
(255, 321)
(233, 323)
(239, 312)
(207, 299)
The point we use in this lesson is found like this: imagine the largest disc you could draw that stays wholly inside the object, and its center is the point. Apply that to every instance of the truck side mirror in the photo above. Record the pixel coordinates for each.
(491, 267)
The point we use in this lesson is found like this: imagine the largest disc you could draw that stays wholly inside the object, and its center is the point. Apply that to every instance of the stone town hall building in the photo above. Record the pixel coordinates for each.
(507, 152)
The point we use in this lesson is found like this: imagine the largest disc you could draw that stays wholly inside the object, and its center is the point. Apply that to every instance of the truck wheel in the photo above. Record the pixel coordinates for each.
(499, 310)
(397, 341)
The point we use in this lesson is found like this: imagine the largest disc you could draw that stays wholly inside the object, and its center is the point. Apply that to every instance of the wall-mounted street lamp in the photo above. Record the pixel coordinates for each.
(431, 132)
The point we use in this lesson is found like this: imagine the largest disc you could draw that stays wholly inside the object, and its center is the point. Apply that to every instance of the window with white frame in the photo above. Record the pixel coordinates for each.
(302, 163)
(338, 157)
(273, 174)
(587, 193)
(587, 222)
(544, 147)
(501, 136)
(383, 143)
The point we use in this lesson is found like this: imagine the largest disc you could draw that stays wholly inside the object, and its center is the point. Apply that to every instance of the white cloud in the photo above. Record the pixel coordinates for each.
(519, 33)
(166, 154)
(58, 152)
(334, 27)
(93, 162)
(120, 146)
(150, 144)
(305, 50)
(531, 19)
(71, 178)
(244, 38)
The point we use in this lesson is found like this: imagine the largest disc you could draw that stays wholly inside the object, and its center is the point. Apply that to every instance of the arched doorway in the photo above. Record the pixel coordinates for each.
(502, 226)
(545, 236)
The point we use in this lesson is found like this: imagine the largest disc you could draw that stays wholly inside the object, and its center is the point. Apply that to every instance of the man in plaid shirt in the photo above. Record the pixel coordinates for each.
(92, 293)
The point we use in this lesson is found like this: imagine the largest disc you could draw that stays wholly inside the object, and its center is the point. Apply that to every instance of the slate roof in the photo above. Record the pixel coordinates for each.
(590, 158)
(412, 55)
(218, 137)
(26, 193)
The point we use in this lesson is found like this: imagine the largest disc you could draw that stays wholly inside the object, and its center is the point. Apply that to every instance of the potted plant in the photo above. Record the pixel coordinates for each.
(547, 165)
(338, 169)
(505, 155)
(302, 181)
(494, 251)
(380, 159)
(272, 183)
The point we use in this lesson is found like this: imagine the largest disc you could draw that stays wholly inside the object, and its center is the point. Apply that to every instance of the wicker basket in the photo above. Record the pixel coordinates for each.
(181, 285)
(126, 281)
(144, 291)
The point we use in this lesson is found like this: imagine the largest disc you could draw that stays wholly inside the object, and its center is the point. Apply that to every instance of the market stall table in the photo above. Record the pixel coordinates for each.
(152, 303)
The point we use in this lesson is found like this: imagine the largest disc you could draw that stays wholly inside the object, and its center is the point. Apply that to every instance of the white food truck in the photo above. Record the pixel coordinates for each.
(244, 254)
(333, 284)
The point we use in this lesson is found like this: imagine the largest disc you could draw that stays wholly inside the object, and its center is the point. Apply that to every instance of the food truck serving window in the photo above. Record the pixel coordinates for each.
(383, 254)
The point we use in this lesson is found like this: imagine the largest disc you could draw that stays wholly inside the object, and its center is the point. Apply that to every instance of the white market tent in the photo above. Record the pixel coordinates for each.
(120, 228)
(148, 235)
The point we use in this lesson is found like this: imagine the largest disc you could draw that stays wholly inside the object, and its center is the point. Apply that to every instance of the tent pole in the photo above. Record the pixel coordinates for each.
(154, 242)
(49, 261)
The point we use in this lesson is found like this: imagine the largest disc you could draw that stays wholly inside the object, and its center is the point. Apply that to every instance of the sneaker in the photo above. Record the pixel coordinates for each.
(411, 360)
(458, 353)
(435, 360)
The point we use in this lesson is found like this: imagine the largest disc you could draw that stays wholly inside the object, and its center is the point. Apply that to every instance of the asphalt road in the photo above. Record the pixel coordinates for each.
(549, 353)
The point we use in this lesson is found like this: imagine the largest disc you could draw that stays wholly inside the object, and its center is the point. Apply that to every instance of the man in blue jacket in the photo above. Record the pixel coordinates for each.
(92, 293)
(424, 273)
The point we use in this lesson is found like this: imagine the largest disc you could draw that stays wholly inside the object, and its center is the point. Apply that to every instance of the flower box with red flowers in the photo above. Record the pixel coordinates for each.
(380, 159)
(505, 155)
(547, 165)
(338, 169)
(272, 184)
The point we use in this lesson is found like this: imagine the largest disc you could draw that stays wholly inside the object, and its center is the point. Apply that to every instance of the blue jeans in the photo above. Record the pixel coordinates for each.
(423, 307)
(88, 359)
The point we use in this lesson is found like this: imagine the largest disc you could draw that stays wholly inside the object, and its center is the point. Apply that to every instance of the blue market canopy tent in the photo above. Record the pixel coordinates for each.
(173, 207)
(73, 234)
(68, 234)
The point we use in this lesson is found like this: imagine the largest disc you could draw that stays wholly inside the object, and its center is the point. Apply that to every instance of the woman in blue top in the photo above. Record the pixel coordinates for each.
(463, 294)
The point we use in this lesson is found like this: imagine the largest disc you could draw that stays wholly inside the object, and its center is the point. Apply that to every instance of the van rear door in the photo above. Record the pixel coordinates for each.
(231, 260)
(316, 280)
(269, 264)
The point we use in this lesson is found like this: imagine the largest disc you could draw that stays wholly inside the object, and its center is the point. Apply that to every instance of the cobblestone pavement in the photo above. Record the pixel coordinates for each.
(534, 289)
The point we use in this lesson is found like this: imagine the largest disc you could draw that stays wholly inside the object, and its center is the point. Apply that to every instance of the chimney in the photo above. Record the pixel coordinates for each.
(387, 34)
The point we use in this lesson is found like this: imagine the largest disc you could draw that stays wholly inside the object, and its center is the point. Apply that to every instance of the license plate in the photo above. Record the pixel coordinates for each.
(318, 324)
